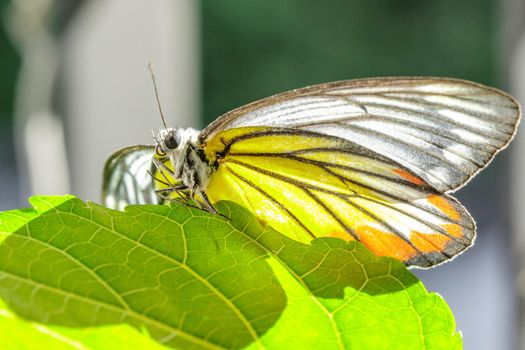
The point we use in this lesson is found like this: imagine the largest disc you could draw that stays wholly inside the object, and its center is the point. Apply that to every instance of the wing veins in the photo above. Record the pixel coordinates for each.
(121, 183)
(284, 131)
(343, 178)
(415, 101)
(321, 164)
(421, 150)
(422, 127)
(396, 121)
(478, 114)
(438, 228)
(390, 227)
(325, 136)
(298, 184)
(402, 200)
(391, 196)
(293, 132)
(307, 189)
(304, 188)
(418, 149)
(348, 229)
(312, 105)
(272, 199)
(421, 115)
(467, 97)
(418, 114)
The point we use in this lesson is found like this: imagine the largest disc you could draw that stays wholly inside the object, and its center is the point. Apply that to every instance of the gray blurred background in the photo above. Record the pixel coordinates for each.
(74, 88)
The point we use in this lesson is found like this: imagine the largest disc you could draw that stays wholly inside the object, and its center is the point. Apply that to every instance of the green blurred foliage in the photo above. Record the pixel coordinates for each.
(252, 49)
(9, 62)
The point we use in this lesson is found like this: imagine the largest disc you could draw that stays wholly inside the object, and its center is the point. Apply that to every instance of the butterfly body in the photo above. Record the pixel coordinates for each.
(189, 170)
(369, 160)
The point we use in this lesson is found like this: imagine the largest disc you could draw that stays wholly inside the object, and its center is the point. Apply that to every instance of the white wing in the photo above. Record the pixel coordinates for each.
(126, 178)
(444, 130)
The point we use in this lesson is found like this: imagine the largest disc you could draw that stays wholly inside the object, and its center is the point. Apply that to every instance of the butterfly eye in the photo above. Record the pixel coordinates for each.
(172, 140)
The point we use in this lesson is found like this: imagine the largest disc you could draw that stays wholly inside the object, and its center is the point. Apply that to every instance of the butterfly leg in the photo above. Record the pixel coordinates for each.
(162, 168)
(187, 198)
(207, 203)
(183, 199)
(179, 190)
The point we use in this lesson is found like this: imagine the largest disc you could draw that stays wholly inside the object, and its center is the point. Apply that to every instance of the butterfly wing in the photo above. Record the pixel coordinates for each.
(368, 160)
(365, 160)
(309, 185)
(127, 178)
(443, 130)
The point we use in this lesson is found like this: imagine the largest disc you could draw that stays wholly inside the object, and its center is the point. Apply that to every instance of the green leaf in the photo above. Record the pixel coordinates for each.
(75, 275)
(18, 334)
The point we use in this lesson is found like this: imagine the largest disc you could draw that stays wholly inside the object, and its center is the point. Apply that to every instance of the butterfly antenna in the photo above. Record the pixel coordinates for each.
(152, 72)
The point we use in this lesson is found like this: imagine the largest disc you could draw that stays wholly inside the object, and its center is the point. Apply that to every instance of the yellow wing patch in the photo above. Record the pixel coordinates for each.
(307, 185)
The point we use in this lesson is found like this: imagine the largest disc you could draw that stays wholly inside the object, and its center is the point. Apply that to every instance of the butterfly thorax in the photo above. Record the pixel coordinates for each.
(190, 171)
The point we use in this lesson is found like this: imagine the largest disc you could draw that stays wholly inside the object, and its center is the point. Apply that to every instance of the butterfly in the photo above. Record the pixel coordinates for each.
(370, 160)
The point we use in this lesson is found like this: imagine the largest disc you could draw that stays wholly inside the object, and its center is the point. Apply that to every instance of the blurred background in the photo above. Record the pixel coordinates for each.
(74, 87)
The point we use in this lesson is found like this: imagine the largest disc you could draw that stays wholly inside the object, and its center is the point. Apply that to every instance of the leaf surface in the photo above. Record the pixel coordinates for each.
(81, 276)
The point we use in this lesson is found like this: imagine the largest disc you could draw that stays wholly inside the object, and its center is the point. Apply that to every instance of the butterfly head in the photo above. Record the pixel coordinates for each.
(167, 141)
(186, 169)
(171, 141)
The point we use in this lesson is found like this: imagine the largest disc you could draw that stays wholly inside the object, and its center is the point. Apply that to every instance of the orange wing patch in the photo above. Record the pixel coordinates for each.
(385, 243)
(408, 176)
(422, 246)
(430, 242)
(453, 230)
(445, 206)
